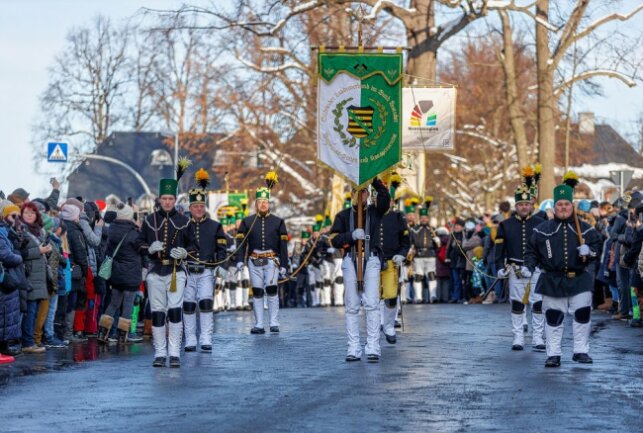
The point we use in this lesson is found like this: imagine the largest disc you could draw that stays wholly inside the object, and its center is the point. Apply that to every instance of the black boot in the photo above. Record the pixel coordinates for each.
(122, 337)
(159, 362)
(582, 358)
(103, 335)
(553, 361)
(175, 362)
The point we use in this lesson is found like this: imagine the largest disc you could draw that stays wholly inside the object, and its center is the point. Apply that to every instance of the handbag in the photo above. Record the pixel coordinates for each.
(105, 271)
(14, 279)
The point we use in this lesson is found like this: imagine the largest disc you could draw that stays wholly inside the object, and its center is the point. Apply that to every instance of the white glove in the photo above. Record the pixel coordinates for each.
(178, 253)
(398, 259)
(436, 241)
(331, 250)
(525, 272)
(240, 266)
(358, 234)
(503, 273)
(156, 247)
(583, 250)
(282, 272)
(231, 248)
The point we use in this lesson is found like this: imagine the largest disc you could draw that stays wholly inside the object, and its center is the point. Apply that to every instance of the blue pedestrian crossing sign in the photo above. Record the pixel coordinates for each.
(57, 152)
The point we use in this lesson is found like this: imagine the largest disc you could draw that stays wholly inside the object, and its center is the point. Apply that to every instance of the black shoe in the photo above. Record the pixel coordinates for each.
(553, 361)
(582, 358)
(78, 337)
(159, 362)
(175, 362)
(525, 328)
(397, 325)
(134, 338)
(206, 348)
(516, 347)
(256, 330)
(373, 358)
(190, 348)
(539, 348)
(274, 329)
(390, 339)
(352, 358)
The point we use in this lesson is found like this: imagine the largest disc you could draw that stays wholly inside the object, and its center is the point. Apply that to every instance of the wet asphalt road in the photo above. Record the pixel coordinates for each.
(451, 371)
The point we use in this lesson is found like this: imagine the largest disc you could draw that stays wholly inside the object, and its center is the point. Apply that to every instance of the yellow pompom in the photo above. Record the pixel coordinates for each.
(537, 168)
(319, 218)
(415, 201)
(347, 196)
(202, 178)
(395, 180)
(571, 179)
(527, 171)
(271, 179)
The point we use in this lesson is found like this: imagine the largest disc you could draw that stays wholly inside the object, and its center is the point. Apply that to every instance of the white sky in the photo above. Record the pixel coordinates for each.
(32, 33)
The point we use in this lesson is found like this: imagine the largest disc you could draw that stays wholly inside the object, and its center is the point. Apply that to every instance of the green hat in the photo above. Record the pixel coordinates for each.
(522, 194)
(316, 227)
(239, 216)
(409, 209)
(305, 234)
(327, 221)
(563, 192)
(262, 193)
(168, 187)
(424, 211)
(197, 196)
(224, 221)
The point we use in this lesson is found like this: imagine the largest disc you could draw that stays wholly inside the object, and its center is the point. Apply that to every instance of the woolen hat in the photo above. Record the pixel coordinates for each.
(70, 212)
(74, 201)
(9, 209)
(124, 212)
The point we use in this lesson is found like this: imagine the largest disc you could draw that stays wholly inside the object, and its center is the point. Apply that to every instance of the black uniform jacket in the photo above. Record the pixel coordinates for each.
(174, 230)
(211, 239)
(422, 240)
(394, 235)
(341, 233)
(268, 233)
(553, 247)
(511, 239)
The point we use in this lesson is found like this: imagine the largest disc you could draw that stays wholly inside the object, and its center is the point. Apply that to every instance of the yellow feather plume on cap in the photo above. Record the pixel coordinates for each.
(570, 179)
(202, 178)
(271, 179)
(395, 180)
(319, 218)
(528, 173)
(414, 201)
(182, 166)
(537, 170)
(348, 196)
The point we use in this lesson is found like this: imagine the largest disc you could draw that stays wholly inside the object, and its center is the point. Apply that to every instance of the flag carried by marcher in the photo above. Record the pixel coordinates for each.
(359, 108)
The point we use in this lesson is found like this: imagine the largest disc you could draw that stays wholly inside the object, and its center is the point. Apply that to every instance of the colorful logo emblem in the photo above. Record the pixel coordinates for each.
(421, 110)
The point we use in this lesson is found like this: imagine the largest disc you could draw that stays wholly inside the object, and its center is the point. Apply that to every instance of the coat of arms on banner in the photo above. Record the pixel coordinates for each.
(359, 107)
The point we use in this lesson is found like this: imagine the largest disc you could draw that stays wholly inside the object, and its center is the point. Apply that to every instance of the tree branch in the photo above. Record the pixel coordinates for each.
(594, 73)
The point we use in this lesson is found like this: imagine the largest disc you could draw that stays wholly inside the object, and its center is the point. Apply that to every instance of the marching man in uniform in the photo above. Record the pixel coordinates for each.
(345, 234)
(212, 243)
(563, 248)
(425, 245)
(266, 248)
(395, 241)
(168, 238)
(510, 247)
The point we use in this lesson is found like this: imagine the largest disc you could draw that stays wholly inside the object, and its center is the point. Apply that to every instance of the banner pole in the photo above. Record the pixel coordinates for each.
(360, 252)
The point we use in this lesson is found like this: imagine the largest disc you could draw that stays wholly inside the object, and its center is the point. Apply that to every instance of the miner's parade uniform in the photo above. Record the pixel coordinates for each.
(199, 290)
(566, 281)
(510, 246)
(169, 239)
(425, 245)
(345, 234)
(328, 264)
(407, 269)
(243, 274)
(266, 251)
(231, 274)
(314, 265)
(395, 241)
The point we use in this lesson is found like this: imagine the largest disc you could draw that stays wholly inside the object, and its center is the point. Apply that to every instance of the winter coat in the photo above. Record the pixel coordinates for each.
(56, 260)
(442, 269)
(9, 302)
(470, 242)
(127, 265)
(454, 254)
(77, 253)
(35, 267)
(92, 239)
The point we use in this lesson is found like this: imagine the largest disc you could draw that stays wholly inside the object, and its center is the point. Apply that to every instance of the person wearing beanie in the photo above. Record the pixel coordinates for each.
(168, 239)
(124, 247)
(565, 255)
(510, 248)
(70, 213)
(202, 268)
(9, 209)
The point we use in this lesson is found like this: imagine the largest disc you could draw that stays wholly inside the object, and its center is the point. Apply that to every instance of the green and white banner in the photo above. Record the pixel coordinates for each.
(359, 113)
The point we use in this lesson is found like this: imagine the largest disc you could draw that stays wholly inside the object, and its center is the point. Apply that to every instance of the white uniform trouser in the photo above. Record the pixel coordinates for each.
(422, 267)
(161, 299)
(337, 278)
(405, 270)
(315, 282)
(369, 299)
(199, 287)
(556, 308)
(244, 281)
(260, 278)
(388, 316)
(517, 288)
(232, 282)
(327, 269)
